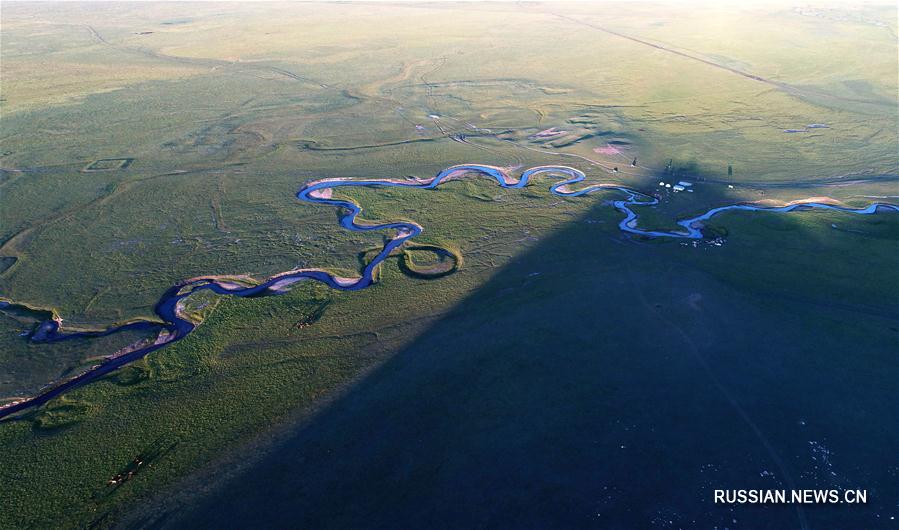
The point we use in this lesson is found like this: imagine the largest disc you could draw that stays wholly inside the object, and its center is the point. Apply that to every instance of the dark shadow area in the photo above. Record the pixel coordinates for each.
(601, 380)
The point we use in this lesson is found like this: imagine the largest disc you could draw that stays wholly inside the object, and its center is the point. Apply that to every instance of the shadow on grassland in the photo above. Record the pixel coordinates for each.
(600, 381)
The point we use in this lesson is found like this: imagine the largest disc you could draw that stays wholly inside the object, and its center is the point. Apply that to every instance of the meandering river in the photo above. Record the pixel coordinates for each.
(175, 326)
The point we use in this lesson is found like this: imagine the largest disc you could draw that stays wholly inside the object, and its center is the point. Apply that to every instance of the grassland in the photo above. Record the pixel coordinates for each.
(206, 118)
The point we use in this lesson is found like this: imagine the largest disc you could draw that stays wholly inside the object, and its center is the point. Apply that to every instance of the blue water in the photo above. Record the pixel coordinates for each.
(176, 327)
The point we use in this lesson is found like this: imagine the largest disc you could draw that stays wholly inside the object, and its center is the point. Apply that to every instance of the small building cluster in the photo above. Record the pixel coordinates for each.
(682, 185)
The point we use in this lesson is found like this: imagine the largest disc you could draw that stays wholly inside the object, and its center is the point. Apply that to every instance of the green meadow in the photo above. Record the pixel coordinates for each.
(144, 144)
